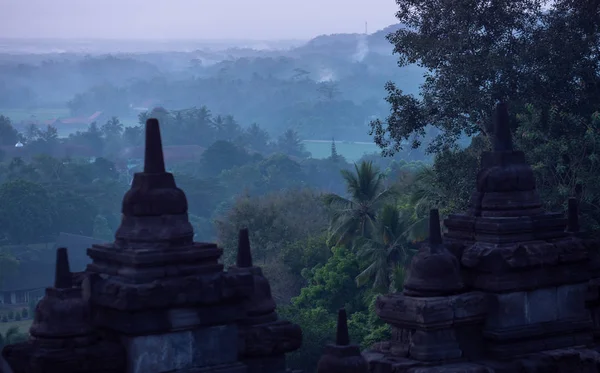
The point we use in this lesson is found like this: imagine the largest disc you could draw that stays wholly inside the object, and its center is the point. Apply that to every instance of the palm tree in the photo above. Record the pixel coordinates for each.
(388, 251)
(425, 193)
(356, 215)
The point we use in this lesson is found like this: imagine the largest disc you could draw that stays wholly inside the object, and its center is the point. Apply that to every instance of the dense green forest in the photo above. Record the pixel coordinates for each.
(332, 233)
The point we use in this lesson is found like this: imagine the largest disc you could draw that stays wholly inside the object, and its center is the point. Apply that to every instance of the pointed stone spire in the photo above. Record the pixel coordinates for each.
(435, 232)
(573, 216)
(62, 276)
(434, 271)
(153, 192)
(578, 190)
(244, 255)
(342, 356)
(502, 136)
(342, 337)
(154, 162)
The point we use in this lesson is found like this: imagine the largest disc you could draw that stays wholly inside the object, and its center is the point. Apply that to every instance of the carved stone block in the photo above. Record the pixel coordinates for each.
(166, 320)
(432, 312)
(160, 353)
(33, 357)
(434, 345)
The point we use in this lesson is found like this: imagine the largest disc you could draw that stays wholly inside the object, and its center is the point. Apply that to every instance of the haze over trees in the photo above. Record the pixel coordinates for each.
(330, 231)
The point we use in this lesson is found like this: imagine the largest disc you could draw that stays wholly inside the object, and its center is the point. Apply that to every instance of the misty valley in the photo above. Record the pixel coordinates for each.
(420, 197)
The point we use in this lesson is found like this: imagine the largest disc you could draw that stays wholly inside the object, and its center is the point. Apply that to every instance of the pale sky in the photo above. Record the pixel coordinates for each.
(191, 19)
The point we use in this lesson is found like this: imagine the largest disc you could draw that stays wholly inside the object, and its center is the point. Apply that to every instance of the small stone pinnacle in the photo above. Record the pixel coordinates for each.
(502, 136)
(573, 216)
(62, 275)
(435, 232)
(244, 255)
(342, 337)
(154, 162)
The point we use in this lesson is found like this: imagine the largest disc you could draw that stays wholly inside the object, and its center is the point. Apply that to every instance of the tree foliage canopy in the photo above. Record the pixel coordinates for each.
(478, 52)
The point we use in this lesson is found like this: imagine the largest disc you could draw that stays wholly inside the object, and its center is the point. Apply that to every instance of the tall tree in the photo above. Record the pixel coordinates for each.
(355, 215)
(8, 134)
(388, 248)
(477, 52)
(290, 143)
(26, 212)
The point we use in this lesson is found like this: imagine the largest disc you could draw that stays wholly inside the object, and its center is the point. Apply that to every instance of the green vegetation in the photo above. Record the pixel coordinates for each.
(352, 151)
(338, 228)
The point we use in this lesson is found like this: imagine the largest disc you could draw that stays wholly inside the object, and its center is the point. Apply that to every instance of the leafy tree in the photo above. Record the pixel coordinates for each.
(45, 141)
(256, 138)
(388, 248)
(31, 132)
(355, 216)
(91, 138)
(76, 211)
(334, 156)
(113, 128)
(8, 134)
(271, 221)
(26, 212)
(222, 155)
(478, 52)
(226, 127)
(318, 329)
(565, 162)
(133, 136)
(18, 169)
(289, 143)
(332, 286)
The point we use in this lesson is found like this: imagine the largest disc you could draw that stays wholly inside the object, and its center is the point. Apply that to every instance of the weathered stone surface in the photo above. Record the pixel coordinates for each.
(33, 357)
(207, 289)
(452, 368)
(227, 368)
(169, 352)
(432, 313)
(270, 339)
(524, 280)
(517, 309)
(166, 319)
(493, 258)
(434, 345)
(274, 364)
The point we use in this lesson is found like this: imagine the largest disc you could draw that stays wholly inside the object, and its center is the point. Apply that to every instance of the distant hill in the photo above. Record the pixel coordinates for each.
(350, 43)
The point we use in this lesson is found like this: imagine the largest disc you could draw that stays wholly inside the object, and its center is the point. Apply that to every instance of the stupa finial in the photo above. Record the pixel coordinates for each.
(154, 162)
(244, 255)
(573, 216)
(435, 231)
(502, 135)
(62, 275)
(342, 337)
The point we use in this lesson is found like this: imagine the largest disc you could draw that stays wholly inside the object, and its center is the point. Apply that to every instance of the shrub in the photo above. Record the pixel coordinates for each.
(4, 318)
(18, 316)
(24, 313)
(11, 314)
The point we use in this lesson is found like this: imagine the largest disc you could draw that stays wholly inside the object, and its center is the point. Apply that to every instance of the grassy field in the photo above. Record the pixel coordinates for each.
(352, 151)
(17, 115)
(23, 326)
